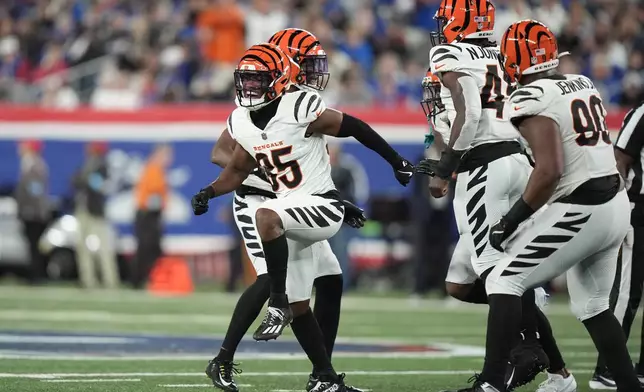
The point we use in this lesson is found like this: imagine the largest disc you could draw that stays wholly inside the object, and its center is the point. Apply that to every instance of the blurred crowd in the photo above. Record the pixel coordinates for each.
(132, 53)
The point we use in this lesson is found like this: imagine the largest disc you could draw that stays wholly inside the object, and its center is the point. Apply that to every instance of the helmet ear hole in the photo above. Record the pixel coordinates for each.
(299, 79)
(270, 94)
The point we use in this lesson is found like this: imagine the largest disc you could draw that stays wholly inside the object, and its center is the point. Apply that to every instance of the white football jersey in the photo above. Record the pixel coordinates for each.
(297, 162)
(441, 125)
(482, 64)
(576, 106)
(254, 180)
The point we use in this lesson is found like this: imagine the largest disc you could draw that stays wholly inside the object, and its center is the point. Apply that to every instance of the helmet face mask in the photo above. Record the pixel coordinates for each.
(314, 71)
(263, 74)
(438, 37)
(253, 88)
(431, 103)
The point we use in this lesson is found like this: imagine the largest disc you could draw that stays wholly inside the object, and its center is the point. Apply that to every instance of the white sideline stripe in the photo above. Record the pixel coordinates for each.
(39, 356)
(198, 385)
(256, 374)
(97, 380)
(4, 338)
(111, 317)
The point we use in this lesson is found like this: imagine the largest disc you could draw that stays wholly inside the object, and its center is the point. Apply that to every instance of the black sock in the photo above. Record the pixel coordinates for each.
(549, 344)
(276, 254)
(503, 326)
(477, 294)
(529, 317)
(328, 298)
(248, 306)
(308, 334)
(610, 342)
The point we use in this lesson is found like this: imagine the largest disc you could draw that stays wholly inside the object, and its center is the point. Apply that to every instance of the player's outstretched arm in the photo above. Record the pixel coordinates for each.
(222, 151)
(544, 139)
(337, 124)
(240, 166)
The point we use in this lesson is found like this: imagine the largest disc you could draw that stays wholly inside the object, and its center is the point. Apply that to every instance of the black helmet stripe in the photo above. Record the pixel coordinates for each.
(270, 50)
(257, 58)
(291, 39)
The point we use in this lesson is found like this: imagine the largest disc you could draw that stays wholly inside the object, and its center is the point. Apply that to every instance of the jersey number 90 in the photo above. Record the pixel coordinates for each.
(589, 122)
(293, 176)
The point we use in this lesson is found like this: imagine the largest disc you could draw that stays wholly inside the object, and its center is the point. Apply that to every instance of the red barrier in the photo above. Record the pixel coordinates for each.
(202, 113)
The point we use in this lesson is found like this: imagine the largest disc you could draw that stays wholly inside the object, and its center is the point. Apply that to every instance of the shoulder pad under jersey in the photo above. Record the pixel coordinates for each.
(304, 106)
(446, 58)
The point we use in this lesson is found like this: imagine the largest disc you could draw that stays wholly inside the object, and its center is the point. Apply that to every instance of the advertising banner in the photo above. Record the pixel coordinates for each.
(192, 131)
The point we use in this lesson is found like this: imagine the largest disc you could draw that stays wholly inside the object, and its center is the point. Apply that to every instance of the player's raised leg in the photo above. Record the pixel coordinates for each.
(306, 219)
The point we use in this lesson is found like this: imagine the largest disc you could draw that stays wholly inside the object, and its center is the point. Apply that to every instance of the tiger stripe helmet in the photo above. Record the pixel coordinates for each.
(431, 103)
(528, 47)
(305, 49)
(263, 74)
(463, 19)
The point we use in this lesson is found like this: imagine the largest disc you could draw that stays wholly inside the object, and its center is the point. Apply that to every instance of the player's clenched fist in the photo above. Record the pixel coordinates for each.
(403, 170)
(200, 201)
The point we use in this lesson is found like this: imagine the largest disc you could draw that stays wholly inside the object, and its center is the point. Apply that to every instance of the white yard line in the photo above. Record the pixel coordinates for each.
(250, 374)
(90, 380)
(197, 300)
(111, 317)
(198, 385)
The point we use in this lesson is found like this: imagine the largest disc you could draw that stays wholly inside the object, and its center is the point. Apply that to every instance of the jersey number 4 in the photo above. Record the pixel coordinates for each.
(589, 122)
(492, 95)
(274, 163)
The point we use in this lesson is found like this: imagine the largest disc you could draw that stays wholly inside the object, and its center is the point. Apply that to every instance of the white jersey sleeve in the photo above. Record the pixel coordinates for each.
(307, 107)
(529, 101)
(441, 125)
(229, 126)
(447, 58)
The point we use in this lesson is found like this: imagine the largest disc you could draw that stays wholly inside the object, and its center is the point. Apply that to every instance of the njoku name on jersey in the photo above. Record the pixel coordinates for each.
(482, 65)
(573, 102)
(297, 162)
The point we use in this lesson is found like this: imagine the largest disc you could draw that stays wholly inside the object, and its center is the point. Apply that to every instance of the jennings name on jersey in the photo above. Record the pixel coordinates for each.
(482, 64)
(297, 162)
(576, 106)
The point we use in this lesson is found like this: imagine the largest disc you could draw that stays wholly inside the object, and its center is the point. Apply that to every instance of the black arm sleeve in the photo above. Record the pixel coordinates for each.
(363, 133)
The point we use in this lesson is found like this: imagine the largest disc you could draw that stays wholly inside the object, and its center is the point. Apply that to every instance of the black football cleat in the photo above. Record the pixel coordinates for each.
(602, 380)
(275, 320)
(221, 373)
(313, 381)
(477, 386)
(328, 383)
(527, 360)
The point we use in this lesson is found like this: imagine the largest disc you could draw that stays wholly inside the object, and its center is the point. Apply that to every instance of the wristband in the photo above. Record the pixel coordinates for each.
(450, 159)
(210, 191)
(519, 212)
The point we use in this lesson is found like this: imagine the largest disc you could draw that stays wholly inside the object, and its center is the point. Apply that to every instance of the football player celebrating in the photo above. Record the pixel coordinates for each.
(463, 284)
(284, 132)
(561, 117)
(482, 147)
(255, 190)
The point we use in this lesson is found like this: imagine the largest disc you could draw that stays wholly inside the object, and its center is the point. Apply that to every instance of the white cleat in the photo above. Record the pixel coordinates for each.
(557, 383)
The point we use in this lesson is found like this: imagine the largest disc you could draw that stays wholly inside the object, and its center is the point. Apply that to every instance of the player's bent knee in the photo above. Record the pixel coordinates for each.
(269, 224)
(458, 291)
(589, 309)
(299, 308)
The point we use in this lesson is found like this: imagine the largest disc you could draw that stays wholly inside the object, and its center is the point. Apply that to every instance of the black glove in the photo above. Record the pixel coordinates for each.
(500, 232)
(200, 201)
(403, 171)
(427, 167)
(504, 228)
(353, 215)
